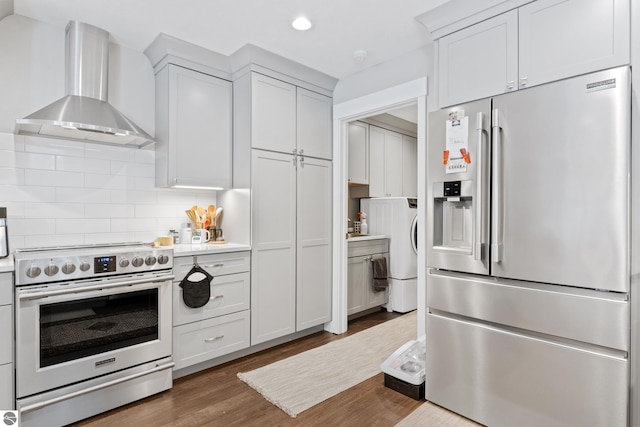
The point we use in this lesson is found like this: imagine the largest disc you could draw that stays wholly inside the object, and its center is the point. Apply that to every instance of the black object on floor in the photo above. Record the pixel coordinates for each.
(413, 391)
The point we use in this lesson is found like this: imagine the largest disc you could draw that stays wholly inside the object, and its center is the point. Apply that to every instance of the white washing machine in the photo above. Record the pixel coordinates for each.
(397, 217)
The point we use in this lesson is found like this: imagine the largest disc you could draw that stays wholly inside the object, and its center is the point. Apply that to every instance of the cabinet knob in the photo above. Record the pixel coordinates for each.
(523, 81)
(510, 85)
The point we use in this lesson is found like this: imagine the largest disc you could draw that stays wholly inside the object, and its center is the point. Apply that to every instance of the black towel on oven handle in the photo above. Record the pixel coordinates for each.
(195, 294)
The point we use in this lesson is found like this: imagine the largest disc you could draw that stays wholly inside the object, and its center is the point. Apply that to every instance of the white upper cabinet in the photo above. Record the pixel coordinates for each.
(193, 129)
(479, 61)
(385, 166)
(409, 166)
(560, 38)
(358, 153)
(287, 119)
(273, 114)
(539, 42)
(314, 124)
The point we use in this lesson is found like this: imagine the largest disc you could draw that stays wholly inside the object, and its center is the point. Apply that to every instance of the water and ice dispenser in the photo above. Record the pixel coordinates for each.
(453, 215)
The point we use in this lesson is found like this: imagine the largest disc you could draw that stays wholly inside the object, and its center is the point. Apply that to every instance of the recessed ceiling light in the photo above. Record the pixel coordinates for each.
(360, 55)
(301, 23)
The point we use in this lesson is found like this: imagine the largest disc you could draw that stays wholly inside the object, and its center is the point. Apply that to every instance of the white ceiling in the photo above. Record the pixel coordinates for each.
(383, 28)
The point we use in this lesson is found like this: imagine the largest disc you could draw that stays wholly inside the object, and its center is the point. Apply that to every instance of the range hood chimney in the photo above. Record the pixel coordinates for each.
(85, 114)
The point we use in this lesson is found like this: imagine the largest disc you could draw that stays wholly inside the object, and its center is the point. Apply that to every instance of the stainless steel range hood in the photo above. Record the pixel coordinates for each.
(85, 114)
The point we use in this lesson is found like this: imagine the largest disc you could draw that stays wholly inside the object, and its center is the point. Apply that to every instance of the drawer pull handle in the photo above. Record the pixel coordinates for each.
(219, 337)
(216, 297)
(214, 265)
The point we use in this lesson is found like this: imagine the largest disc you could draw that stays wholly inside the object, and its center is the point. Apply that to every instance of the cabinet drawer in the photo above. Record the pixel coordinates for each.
(600, 318)
(6, 334)
(6, 387)
(205, 340)
(500, 378)
(229, 294)
(367, 247)
(6, 288)
(216, 265)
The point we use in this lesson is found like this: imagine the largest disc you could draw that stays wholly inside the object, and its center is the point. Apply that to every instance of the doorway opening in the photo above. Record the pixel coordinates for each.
(384, 106)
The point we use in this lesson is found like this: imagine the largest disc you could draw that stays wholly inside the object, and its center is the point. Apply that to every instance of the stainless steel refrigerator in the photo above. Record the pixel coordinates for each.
(528, 255)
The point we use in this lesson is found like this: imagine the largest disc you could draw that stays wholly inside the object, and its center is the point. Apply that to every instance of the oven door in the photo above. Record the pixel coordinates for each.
(70, 332)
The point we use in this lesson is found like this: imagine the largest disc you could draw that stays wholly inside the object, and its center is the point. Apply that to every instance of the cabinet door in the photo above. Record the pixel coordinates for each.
(273, 114)
(385, 163)
(409, 166)
(478, 61)
(6, 334)
(358, 153)
(200, 145)
(6, 387)
(314, 124)
(393, 173)
(563, 38)
(376, 162)
(314, 243)
(358, 273)
(273, 254)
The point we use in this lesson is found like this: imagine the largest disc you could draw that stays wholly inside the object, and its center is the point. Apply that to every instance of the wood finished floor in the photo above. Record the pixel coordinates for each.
(216, 397)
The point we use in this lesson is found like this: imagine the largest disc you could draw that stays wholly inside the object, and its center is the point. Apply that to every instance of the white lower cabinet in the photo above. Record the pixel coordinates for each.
(360, 293)
(220, 327)
(291, 244)
(6, 337)
(205, 340)
(6, 387)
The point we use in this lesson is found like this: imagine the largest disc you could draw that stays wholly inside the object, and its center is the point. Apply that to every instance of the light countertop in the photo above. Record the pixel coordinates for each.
(367, 237)
(207, 248)
(6, 264)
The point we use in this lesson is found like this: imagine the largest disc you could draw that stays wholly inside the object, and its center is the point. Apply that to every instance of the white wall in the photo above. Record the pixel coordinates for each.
(402, 69)
(60, 192)
(362, 95)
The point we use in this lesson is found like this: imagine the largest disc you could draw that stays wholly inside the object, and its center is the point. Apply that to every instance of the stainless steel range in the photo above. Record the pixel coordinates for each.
(93, 329)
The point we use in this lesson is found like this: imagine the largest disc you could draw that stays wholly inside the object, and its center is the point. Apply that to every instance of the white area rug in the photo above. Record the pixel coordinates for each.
(429, 414)
(299, 382)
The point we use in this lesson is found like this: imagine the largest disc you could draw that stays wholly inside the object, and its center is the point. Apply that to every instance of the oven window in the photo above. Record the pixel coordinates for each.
(76, 329)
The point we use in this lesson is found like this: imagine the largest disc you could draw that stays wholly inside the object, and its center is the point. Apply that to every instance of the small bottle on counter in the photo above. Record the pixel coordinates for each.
(175, 235)
(364, 227)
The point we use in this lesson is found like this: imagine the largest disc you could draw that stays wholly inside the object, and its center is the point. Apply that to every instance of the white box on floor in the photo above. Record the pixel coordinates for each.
(403, 295)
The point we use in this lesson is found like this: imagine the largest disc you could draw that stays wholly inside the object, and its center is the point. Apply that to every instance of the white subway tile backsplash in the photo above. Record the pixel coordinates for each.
(37, 144)
(45, 178)
(61, 192)
(144, 183)
(25, 193)
(11, 176)
(112, 182)
(11, 142)
(108, 152)
(146, 155)
(70, 164)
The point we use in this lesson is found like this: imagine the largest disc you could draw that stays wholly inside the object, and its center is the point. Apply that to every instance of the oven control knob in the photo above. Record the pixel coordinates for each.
(68, 268)
(85, 266)
(124, 263)
(137, 261)
(151, 260)
(163, 259)
(51, 270)
(33, 271)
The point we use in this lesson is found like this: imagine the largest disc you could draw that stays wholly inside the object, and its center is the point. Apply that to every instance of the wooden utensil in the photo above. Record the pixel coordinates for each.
(211, 213)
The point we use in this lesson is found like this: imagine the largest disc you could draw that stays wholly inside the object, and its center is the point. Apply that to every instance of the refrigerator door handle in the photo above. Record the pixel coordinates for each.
(481, 193)
(496, 201)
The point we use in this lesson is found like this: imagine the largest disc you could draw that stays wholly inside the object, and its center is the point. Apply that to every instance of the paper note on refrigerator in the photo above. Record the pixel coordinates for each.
(457, 145)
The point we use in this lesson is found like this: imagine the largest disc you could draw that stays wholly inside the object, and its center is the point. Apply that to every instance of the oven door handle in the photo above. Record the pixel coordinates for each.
(40, 405)
(32, 295)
